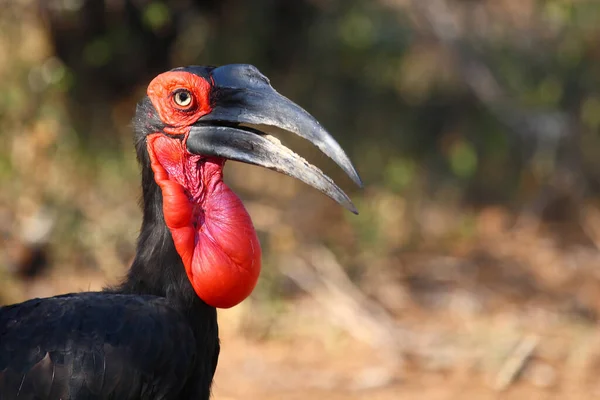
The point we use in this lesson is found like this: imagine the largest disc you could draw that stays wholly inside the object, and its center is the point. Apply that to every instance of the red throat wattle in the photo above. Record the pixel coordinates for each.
(211, 229)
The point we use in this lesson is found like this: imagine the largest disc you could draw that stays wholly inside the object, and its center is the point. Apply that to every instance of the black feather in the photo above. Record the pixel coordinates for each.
(149, 338)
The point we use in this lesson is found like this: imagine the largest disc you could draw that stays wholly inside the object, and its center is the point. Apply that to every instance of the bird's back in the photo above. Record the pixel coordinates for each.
(94, 346)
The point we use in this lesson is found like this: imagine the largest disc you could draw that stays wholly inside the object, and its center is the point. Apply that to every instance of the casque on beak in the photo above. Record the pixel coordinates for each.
(243, 104)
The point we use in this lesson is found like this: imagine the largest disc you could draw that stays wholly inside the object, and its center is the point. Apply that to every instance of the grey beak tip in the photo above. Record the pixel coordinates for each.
(351, 207)
(357, 180)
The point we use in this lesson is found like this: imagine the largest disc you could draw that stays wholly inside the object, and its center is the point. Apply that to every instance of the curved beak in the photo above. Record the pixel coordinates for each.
(243, 104)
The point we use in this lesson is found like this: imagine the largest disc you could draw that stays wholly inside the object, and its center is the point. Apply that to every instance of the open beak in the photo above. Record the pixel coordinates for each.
(243, 104)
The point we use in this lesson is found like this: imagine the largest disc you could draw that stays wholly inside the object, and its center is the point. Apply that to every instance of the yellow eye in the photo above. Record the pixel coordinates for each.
(183, 98)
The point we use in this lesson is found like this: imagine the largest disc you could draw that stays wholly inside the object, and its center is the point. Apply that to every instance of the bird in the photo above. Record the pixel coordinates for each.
(155, 334)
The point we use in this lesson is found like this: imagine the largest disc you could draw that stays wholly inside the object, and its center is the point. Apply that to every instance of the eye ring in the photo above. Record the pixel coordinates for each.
(183, 98)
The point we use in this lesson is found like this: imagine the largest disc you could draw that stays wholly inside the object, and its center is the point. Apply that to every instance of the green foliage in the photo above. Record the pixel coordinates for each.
(399, 174)
(463, 159)
(156, 15)
(98, 52)
(590, 112)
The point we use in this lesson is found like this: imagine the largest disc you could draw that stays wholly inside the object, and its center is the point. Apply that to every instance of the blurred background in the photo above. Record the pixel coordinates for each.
(473, 269)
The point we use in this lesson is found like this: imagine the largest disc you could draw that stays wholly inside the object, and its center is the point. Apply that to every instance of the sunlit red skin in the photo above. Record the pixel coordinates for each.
(211, 229)
(161, 91)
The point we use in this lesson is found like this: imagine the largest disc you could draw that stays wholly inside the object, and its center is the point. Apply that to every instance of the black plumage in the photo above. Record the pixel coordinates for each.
(94, 345)
(151, 337)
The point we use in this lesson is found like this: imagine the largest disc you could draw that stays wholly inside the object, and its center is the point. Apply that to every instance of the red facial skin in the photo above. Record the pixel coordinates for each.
(211, 229)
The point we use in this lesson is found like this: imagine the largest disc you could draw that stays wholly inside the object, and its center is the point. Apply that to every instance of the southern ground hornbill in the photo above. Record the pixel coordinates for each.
(155, 336)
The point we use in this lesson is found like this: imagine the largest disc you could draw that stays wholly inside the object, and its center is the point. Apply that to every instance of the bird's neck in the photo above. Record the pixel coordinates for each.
(157, 268)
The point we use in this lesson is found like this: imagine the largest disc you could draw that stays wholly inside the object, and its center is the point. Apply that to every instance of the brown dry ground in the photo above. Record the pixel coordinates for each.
(459, 329)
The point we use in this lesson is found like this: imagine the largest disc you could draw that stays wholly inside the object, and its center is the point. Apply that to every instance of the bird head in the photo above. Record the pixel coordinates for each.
(192, 120)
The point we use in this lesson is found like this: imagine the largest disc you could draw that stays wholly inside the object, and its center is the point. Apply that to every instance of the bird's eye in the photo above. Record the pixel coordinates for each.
(183, 98)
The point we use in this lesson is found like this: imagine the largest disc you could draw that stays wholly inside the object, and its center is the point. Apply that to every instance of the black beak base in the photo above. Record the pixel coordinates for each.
(244, 103)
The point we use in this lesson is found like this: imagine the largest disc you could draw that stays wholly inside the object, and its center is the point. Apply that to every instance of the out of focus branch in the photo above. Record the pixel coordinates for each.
(321, 275)
(516, 362)
(549, 129)
(547, 125)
